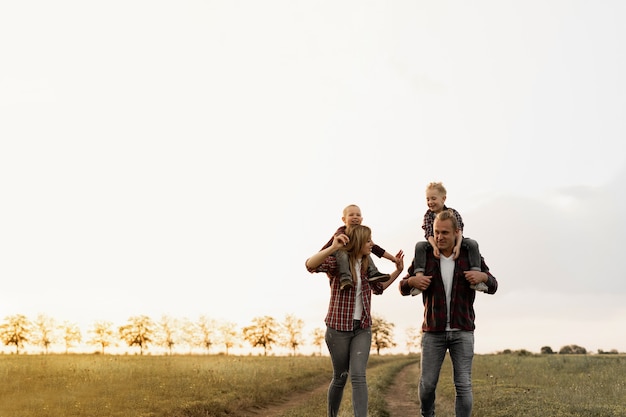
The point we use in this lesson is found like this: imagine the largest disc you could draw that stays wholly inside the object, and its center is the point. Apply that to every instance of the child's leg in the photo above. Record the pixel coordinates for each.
(373, 274)
(371, 267)
(474, 253)
(474, 260)
(419, 259)
(343, 265)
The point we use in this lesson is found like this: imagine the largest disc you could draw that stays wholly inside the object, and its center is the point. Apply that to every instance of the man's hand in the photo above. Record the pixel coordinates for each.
(474, 277)
(420, 281)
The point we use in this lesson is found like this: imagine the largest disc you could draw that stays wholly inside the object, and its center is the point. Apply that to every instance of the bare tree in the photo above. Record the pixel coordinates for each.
(318, 336)
(293, 332)
(382, 334)
(44, 332)
(206, 326)
(188, 333)
(71, 334)
(262, 332)
(138, 332)
(167, 332)
(15, 331)
(102, 334)
(413, 338)
(228, 335)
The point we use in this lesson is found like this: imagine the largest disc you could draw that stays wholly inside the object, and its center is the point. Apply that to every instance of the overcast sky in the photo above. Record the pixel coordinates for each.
(185, 158)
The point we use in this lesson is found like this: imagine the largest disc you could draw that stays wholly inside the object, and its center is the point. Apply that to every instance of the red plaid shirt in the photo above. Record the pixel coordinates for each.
(434, 297)
(340, 314)
(376, 250)
(429, 221)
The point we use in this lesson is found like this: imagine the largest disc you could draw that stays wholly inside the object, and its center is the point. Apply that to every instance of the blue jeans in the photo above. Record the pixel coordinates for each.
(460, 344)
(349, 353)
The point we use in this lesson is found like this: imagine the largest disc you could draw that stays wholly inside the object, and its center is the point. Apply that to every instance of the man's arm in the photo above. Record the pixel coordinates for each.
(474, 277)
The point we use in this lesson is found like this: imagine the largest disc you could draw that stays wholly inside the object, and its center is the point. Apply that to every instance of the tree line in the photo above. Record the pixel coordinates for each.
(141, 332)
(173, 335)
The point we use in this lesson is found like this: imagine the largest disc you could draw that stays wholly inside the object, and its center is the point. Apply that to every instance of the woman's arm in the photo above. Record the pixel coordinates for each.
(399, 267)
(319, 257)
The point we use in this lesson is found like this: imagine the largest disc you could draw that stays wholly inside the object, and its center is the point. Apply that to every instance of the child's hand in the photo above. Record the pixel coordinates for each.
(456, 252)
(436, 251)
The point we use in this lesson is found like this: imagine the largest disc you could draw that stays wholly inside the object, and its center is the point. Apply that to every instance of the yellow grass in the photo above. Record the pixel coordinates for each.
(218, 386)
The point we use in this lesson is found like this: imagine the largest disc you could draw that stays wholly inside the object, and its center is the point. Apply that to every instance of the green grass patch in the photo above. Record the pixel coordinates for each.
(219, 386)
(149, 386)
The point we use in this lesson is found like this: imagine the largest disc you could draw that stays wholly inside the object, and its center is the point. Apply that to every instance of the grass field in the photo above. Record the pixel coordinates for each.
(215, 386)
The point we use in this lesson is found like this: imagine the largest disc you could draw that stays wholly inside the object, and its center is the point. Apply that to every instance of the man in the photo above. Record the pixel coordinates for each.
(448, 315)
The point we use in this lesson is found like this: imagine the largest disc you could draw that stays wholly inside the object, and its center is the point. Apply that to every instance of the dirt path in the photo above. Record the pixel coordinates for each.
(399, 396)
(287, 404)
(402, 395)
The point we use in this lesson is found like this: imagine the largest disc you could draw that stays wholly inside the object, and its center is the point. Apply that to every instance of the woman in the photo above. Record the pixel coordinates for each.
(349, 321)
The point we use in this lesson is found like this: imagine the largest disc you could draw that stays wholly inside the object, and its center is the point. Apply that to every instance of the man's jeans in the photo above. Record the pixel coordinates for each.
(349, 353)
(434, 347)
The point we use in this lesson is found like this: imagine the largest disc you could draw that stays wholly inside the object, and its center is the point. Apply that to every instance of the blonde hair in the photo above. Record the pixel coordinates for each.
(448, 215)
(437, 186)
(359, 235)
(345, 209)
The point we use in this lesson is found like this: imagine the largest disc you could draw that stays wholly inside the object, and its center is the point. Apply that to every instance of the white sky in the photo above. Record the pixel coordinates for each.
(186, 157)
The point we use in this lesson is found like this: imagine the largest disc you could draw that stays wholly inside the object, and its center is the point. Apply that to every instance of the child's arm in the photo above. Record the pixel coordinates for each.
(381, 253)
(427, 225)
(389, 256)
(431, 240)
(459, 234)
(457, 246)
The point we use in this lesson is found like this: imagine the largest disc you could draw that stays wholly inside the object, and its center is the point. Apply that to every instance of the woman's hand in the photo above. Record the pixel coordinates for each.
(316, 259)
(399, 261)
(340, 241)
(399, 267)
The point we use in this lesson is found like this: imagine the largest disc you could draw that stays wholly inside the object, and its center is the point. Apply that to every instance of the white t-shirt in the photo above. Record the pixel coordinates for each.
(447, 274)
(358, 301)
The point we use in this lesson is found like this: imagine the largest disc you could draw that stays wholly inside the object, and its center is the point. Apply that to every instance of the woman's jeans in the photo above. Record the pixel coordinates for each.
(349, 353)
(434, 347)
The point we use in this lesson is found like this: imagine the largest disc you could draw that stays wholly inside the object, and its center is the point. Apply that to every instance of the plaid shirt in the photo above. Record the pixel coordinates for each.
(429, 221)
(340, 314)
(376, 250)
(462, 300)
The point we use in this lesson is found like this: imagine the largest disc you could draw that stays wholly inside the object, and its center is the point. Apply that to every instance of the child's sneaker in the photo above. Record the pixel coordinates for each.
(481, 286)
(379, 277)
(345, 284)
